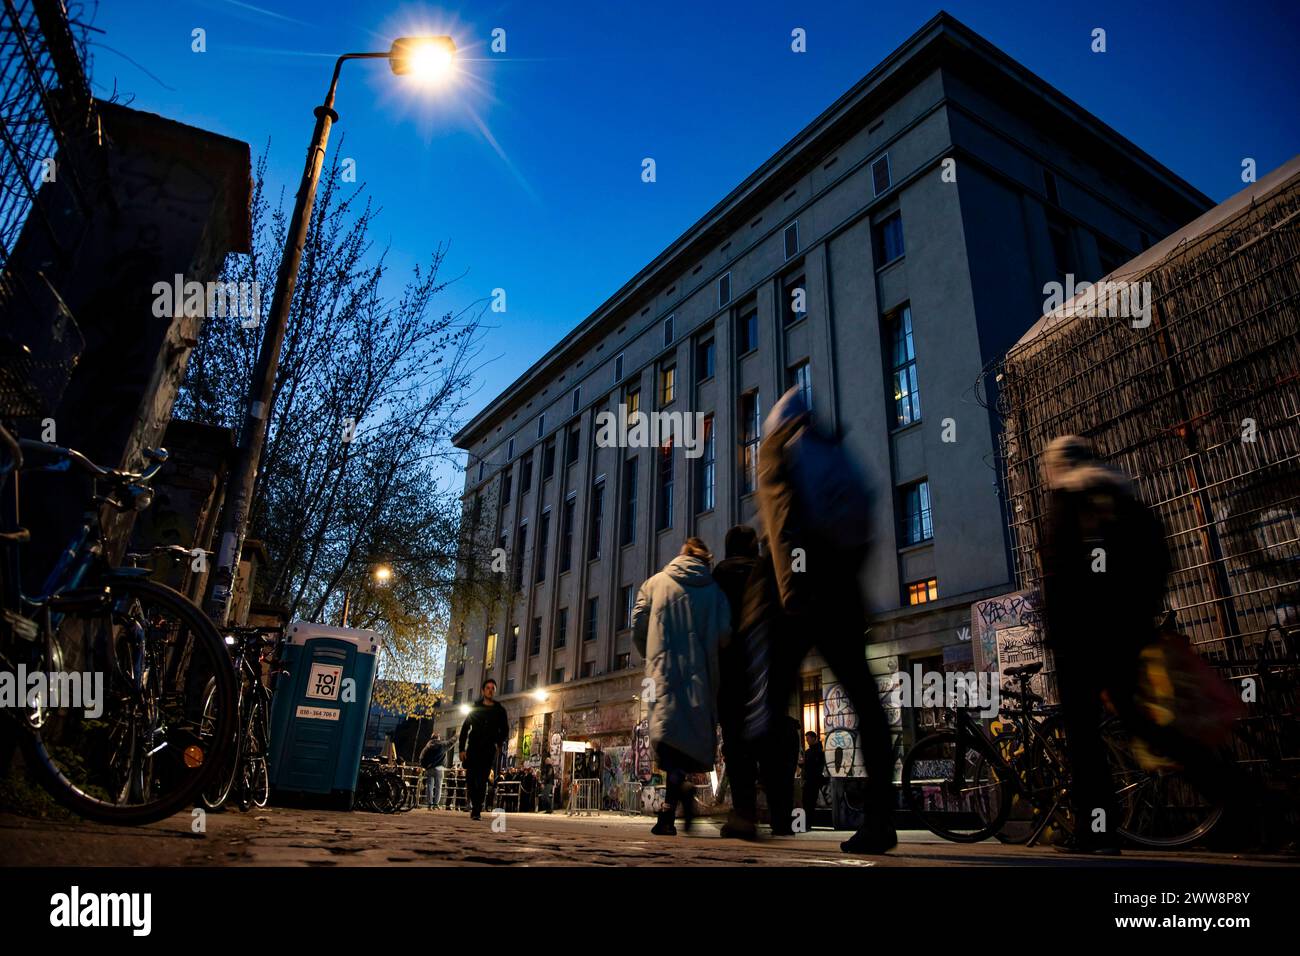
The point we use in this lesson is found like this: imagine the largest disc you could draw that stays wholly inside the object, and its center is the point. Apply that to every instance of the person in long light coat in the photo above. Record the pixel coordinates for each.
(680, 620)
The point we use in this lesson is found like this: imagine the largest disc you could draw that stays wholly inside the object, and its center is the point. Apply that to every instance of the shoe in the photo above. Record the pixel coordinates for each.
(1086, 849)
(871, 840)
(475, 815)
(663, 829)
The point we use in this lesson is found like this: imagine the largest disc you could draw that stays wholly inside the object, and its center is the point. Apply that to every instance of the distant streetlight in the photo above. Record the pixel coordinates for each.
(382, 573)
(427, 59)
(540, 695)
(464, 709)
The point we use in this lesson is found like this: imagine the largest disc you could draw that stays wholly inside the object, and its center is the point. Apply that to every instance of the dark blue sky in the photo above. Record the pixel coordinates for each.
(530, 164)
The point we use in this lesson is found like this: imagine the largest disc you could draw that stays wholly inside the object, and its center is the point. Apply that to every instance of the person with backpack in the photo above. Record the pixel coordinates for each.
(679, 622)
(433, 758)
(816, 514)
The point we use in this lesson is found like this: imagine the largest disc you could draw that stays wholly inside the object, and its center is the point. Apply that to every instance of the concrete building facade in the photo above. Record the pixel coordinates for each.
(871, 262)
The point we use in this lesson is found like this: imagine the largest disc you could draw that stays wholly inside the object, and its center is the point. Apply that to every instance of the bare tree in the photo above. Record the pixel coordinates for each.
(358, 460)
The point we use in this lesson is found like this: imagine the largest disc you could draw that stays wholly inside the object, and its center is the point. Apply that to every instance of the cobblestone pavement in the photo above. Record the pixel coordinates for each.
(291, 837)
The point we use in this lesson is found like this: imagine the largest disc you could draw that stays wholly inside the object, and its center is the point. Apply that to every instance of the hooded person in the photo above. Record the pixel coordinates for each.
(680, 621)
(816, 515)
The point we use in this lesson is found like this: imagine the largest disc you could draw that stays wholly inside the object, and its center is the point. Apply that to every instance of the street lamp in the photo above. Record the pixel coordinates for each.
(426, 58)
(380, 574)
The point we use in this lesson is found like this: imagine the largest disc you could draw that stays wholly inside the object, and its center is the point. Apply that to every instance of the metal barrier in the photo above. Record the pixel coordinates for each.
(584, 797)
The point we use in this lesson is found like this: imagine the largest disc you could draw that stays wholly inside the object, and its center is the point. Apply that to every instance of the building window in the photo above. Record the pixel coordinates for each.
(749, 438)
(532, 682)
(535, 640)
(481, 465)
(668, 330)
(572, 445)
(922, 592)
(622, 662)
(902, 352)
(1050, 188)
(794, 299)
(490, 654)
(541, 426)
(526, 473)
(724, 290)
(512, 650)
(588, 669)
(889, 238)
(618, 368)
(510, 686)
(667, 384)
(810, 704)
(800, 376)
(708, 468)
(557, 675)
(548, 459)
(566, 532)
(597, 518)
(1062, 248)
(510, 450)
(561, 627)
(747, 329)
(543, 545)
(1111, 255)
(593, 608)
(880, 175)
(704, 359)
(792, 240)
(918, 524)
(627, 520)
(626, 599)
(521, 543)
(665, 520)
(507, 486)
(577, 398)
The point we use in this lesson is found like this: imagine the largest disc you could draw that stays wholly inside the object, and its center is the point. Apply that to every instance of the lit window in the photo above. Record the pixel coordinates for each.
(922, 592)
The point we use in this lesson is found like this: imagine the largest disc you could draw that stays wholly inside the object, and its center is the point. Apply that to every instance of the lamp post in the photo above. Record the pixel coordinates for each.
(425, 57)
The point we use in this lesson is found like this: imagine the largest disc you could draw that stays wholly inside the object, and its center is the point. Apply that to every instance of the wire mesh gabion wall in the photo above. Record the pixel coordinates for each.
(1202, 409)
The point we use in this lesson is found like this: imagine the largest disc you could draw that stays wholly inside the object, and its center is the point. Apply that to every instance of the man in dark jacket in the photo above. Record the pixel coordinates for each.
(814, 774)
(817, 580)
(1102, 548)
(735, 690)
(482, 737)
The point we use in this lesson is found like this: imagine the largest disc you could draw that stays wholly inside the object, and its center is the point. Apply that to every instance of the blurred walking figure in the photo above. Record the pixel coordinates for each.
(814, 774)
(816, 515)
(679, 622)
(736, 696)
(433, 758)
(483, 735)
(1104, 549)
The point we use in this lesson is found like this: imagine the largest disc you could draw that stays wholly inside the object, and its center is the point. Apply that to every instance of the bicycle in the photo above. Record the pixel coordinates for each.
(115, 728)
(247, 763)
(963, 782)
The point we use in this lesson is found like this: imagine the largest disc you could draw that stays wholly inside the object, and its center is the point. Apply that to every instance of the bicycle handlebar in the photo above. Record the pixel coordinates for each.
(157, 457)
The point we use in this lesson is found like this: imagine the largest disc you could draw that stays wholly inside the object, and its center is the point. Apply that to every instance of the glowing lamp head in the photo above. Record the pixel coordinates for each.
(382, 574)
(464, 708)
(428, 59)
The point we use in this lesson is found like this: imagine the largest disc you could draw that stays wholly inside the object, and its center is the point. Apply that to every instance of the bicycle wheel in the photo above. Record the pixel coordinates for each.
(954, 788)
(1158, 808)
(257, 777)
(216, 794)
(163, 711)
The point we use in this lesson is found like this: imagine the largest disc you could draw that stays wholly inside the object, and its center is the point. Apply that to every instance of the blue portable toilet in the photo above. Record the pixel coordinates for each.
(319, 711)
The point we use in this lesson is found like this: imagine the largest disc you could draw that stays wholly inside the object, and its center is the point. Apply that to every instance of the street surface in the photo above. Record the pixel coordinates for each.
(293, 837)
